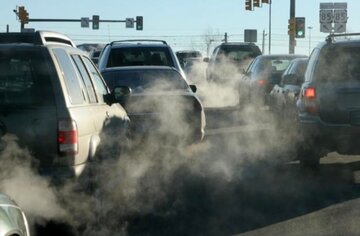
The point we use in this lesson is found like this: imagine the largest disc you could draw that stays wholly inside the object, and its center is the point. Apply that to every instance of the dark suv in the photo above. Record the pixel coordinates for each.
(228, 56)
(329, 102)
(55, 101)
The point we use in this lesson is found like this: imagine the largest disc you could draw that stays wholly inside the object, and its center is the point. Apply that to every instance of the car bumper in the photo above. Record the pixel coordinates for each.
(342, 138)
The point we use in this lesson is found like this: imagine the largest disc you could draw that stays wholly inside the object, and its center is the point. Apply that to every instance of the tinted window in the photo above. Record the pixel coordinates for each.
(147, 79)
(271, 65)
(239, 53)
(86, 79)
(140, 56)
(100, 87)
(311, 64)
(339, 64)
(24, 77)
(70, 76)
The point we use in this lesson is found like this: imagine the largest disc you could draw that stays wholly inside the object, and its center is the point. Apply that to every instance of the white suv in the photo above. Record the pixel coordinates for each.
(55, 101)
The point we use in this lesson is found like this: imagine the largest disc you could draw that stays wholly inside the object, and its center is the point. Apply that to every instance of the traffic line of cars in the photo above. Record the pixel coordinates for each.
(317, 98)
(69, 112)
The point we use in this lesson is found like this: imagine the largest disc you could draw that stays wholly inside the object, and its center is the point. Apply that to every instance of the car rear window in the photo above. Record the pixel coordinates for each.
(271, 65)
(163, 80)
(339, 64)
(239, 52)
(24, 77)
(140, 56)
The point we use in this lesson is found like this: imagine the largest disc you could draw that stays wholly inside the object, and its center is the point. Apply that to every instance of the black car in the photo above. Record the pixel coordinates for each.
(229, 59)
(261, 76)
(283, 97)
(329, 102)
(161, 101)
(186, 54)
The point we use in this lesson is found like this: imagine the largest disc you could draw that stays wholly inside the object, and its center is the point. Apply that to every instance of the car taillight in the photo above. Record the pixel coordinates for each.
(309, 95)
(261, 82)
(67, 137)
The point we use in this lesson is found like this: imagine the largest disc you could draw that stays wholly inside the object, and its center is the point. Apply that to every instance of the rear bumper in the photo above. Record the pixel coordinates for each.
(342, 138)
(149, 125)
(62, 173)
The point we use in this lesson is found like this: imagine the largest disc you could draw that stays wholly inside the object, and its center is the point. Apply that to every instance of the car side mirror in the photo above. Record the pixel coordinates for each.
(193, 88)
(206, 59)
(119, 95)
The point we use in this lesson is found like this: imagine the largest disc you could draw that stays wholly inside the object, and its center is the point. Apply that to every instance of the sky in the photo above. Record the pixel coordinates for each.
(182, 23)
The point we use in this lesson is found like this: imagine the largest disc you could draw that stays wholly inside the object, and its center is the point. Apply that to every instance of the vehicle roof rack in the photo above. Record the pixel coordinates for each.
(139, 41)
(37, 38)
(330, 37)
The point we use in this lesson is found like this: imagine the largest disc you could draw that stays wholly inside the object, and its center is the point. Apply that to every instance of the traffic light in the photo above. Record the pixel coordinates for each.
(256, 3)
(23, 15)
(249, 5)
(300, 27)
(139, 23)
(95, 22)
(291, 27)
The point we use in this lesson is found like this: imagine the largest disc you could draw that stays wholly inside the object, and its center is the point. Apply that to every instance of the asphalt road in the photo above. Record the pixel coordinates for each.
(239, 181)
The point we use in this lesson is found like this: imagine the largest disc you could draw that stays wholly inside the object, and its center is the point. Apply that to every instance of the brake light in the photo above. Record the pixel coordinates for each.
(310, 102)
(67, 137)
(261, 82)
(310, 93)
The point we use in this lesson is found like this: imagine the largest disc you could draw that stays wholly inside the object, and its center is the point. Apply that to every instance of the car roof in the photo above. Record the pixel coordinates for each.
(188, 51)
(141, 68)
(36, 38)
(275, 56)
(139, 43)
(236, 43)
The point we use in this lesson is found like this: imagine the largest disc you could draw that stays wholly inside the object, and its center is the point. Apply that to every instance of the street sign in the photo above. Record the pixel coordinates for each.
(250, 35)
(85, 22)
(326, 5)
(326, 27)
(340, 27)
(340, 16)
(340, 5)
(326, 16)
(333, 17)
(129, 22)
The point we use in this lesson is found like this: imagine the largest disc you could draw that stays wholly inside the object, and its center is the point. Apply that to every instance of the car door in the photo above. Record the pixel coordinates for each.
(111, 120)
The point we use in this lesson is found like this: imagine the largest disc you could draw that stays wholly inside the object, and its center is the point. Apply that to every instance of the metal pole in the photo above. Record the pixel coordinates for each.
(310, 28)
(263, 42)
(270, 26)
(292, 37)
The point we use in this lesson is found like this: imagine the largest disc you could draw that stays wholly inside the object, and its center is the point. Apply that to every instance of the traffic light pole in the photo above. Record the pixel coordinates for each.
(292, 36)
(270, 3)
(72, 20)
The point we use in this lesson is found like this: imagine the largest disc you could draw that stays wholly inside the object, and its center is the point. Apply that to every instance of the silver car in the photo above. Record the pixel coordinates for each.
(12, 218)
